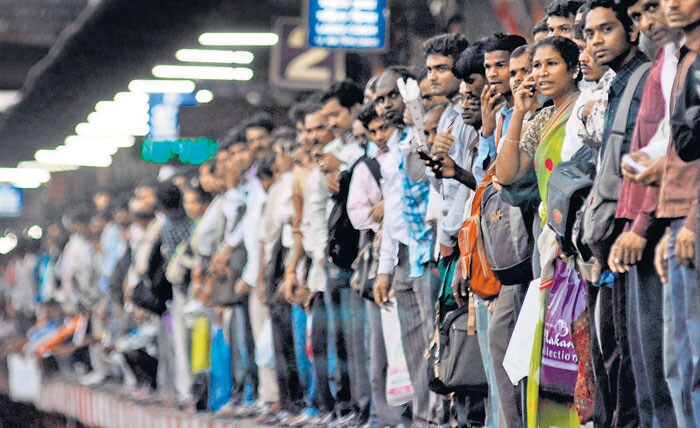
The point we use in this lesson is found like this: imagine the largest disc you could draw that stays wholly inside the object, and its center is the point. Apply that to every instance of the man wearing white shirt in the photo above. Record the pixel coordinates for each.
(413, 302)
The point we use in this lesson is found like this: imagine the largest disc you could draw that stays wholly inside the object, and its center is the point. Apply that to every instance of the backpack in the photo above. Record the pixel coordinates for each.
(343, 238)
(473, 259)
(598, 224)
(507, 238)
(365, 265)
(567, 188)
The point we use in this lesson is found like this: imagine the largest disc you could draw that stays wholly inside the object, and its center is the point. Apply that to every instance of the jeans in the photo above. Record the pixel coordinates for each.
(304, 364)
(645, 326)
(385, 414)
(344, 318)
(483, 317)
(686, 330)
(320, 344)
(243, 367)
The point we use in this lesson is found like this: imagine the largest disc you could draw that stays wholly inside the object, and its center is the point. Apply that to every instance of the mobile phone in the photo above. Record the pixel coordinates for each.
(638, 167)
(426, 157)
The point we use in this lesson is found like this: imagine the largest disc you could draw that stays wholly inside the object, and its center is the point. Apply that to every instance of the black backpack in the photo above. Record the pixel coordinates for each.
(343, 238)
(567, 189)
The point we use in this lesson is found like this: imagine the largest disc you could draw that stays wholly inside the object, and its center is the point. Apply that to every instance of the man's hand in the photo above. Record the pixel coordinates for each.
(652, 176)
(443, 166)
(446, 251)
(491, 102)
(661, 258)
(377, 211)
(381, 291)
(655, 173)
(242, 288)
(685, 246)
(626, 251)
(288, 287)
(329, 163)
(460, 289)
(333, 182)
(443, 142)
(407, 119)
(218, 265)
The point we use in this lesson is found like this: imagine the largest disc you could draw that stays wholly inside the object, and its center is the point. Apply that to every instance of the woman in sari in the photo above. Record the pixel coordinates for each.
(555, 74)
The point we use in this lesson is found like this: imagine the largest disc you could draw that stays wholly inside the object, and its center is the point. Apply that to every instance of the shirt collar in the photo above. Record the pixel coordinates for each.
(623, 75)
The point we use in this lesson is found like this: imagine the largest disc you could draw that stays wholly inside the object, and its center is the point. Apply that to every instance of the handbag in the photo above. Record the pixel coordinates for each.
(223, 292)
(455, 358)
(365, 266)
(599, 227)
(560, 364)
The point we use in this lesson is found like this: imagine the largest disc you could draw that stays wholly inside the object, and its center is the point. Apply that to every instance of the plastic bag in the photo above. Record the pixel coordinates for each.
(567, 301)
(200, 344)
(220, 375)
(519, 353)
(25, 378)
(399, 389)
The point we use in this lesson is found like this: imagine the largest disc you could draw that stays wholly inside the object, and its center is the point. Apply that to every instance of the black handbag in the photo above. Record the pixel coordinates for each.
(365, 266)
(223, 292)
(457, 364)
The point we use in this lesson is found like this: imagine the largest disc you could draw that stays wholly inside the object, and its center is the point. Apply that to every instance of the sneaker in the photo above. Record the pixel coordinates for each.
(321, 421)
(302, 419)
(93, 379)
(344, 421)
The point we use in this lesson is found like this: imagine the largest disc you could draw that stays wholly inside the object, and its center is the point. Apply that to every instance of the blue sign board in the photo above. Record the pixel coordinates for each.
(164, 119)
(11, 200)
(347, 24)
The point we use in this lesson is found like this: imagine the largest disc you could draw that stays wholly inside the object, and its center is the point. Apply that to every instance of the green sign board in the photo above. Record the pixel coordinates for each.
(188, 151)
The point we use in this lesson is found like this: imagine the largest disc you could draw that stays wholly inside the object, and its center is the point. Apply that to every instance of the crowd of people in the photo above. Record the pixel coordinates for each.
(502, 237)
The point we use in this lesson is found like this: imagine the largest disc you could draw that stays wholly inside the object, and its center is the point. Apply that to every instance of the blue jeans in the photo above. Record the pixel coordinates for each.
(686, 329)
(306, 373)
(483, 317)
(645, 327)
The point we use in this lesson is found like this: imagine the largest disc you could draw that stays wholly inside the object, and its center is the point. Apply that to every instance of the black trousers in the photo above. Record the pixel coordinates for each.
(290, 389)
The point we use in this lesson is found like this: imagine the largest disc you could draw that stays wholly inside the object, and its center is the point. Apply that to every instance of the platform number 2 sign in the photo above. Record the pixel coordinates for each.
(296, 65)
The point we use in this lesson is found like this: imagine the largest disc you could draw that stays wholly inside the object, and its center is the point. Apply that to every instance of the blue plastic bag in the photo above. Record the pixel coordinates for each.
(220, 379)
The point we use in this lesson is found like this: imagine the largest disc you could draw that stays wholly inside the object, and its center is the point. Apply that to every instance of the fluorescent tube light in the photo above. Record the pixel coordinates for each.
(71, 158)
(214, 56)
(238, 39)
(162, 86)
(202, 72)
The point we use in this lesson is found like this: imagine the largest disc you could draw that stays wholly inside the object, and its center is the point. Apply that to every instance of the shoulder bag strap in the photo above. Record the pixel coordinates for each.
(620, 124)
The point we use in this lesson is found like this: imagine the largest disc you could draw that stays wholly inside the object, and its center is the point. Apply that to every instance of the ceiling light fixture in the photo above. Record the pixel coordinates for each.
(73, 158)
(202, 72)
(121, 141)
(162, 86)
(238, 39)
(214, 56)
(204, 96)
(46, 166)
(110, 129)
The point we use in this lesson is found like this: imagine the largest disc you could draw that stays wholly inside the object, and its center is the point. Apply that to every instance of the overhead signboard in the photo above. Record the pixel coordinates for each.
(296, 65)
(164, 123)
(11, 200)
(348, 24)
